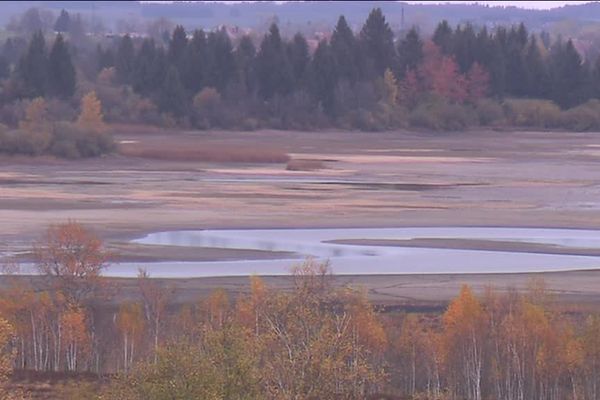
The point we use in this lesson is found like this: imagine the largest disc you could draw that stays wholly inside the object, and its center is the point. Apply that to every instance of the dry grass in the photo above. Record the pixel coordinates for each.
(304, 165)
(202, 152)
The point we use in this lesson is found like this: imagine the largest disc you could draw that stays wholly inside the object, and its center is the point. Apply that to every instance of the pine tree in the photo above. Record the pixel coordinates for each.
(143, 79)
(172, 96)
(63, 22)
(345, 51)
(223, 65)
(4, 67)
(125, 59)
(443, 37)
(464, 46)
(104, 58)
(177, 47)
(195, 64)
(377, 41)
(536, 70)
(410, 52)
(273, 68)
(61, 70)
(324, 77)
(91, 112)
(33, 67)
(299, 58)
(568, 76)
(245, 56)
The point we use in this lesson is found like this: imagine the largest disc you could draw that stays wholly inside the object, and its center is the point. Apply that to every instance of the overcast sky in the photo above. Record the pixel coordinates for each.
(523, 4)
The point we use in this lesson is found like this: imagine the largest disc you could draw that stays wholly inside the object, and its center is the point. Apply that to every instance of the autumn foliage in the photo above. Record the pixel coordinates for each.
(313, 340)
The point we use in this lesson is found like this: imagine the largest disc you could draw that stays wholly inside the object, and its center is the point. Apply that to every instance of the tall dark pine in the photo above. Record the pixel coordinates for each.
(172, 97)
(125, 59)
(177, 47)
(443, 37)
(104, 58)
(273, 68)
(345, 51)
(536, 70)
(245, 58)
(33, 67)
(61, 71)
(195, 62)
(299, 58)
(142, 77)
(377, 41)
(324, 77)
(464, 47)
(568, 76)
(222, 69)
(63, 22)
(410, 52)
(4, 67)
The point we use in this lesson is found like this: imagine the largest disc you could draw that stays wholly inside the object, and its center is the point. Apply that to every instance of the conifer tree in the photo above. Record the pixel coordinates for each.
(377, 40)
(245, 55)
(299, 58)
(272, 66)
(345, 51)
(33, 67)
(410, 52)
(143, 79)
(195, 64)
(172, 97)
(223, 62)
(125, 58)
(443, 37)
(63, 22)
(61, 70)
(323, 74)
(177, 46)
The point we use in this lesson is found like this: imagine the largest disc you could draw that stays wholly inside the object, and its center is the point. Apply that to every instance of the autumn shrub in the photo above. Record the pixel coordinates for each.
(207, 108)
(439, 114)
(32, 143)
(74, 141)
(532, 113)
(584, 117)
(304, 165)
(489, 112)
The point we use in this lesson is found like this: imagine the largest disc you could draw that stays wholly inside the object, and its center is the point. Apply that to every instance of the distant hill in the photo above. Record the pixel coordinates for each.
(310, 15)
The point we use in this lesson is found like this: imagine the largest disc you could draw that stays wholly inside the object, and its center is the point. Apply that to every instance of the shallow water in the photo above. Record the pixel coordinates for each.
(356, 259)
(348, 259)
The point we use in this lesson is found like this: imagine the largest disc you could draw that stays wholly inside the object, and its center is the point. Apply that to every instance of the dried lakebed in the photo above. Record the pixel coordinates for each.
(380, 251)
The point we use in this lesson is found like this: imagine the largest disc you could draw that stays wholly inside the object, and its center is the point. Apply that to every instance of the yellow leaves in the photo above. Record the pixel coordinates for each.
(131, 320)
(390, 87)
(35, 116)
(74, 326)
(464, 313)
(91, 113)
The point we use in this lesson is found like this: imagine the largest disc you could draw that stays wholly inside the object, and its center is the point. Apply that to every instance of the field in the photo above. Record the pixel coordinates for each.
(166, 180)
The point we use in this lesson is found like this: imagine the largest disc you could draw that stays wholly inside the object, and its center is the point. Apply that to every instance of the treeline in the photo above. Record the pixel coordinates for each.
(312, 341)
(370, 80)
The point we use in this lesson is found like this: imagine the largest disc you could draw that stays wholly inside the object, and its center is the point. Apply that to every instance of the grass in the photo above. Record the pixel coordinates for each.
(304, 165)
(203, 152)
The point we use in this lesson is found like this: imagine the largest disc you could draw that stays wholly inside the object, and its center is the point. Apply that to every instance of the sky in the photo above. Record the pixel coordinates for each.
(540, 5)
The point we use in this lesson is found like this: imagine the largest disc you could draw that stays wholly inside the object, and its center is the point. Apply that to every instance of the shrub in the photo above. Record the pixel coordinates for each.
(30, 143)
(489, 112)
(438, 114)
(532, 113)
(584, 117)
(74, 141)
(304, 165)
(207, 108)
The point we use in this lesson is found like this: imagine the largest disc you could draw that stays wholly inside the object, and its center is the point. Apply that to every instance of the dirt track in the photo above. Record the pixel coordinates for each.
(541, 179)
